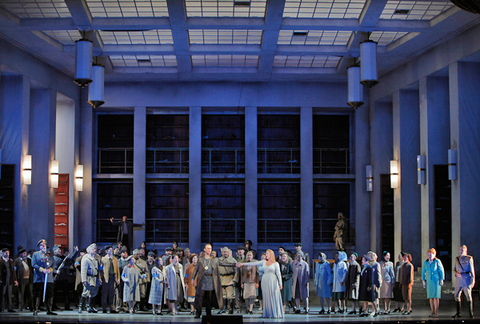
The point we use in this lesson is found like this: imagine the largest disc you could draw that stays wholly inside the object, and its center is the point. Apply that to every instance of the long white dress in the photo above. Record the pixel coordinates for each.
(271, 281)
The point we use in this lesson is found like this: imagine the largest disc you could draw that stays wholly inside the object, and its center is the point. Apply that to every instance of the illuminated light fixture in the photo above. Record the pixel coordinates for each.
(355, 89)
(96, 89)
(369, 177)
(27, 169)
(79, 178)
(83, 62)
(368, 57)
(394, 174)
(54, 174)
(421, 169)
(452, 164)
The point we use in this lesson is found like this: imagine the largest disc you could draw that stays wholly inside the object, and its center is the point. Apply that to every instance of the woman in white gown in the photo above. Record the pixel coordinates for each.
(271, 285)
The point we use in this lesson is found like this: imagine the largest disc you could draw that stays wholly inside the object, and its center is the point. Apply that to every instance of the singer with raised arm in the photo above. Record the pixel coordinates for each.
(271, 285)
(125, 231)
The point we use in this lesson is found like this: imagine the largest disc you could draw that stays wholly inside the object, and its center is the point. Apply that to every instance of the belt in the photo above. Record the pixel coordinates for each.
(208, 274)
(226, 275)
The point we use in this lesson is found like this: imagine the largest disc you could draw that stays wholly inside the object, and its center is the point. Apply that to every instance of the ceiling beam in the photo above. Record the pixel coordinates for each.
(80, 14)
(178, 20)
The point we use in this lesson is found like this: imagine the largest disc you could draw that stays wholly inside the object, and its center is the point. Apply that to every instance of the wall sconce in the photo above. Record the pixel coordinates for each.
(96, 89)
(368, 57)
(452, 164)
(421, 169)
(355, 89)
(79, 178)
(394, 174)
(369, 177)
(54, 174)
(27, 169)
(83, 62)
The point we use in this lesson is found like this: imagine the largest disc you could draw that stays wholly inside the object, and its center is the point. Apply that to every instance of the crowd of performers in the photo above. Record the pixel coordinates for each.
(181, 280)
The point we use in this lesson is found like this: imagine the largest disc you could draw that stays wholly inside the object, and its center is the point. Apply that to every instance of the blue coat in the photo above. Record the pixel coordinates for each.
(41, 261)
(432, 273)
(323, 280)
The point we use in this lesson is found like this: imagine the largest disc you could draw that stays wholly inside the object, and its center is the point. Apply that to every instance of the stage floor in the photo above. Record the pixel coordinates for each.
(419, 315)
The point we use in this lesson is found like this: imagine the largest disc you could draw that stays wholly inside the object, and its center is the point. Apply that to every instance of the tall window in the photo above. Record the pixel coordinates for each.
(278, 143)
(115, 144)
(167, 212)
(279, 213)
(223, 212)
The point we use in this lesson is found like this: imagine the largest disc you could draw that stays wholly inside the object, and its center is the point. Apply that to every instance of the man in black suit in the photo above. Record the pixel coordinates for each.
(125, 231)
(8, 278)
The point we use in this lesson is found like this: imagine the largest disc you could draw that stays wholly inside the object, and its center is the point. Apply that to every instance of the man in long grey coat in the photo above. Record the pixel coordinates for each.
(90, 278)
(301, 276)
(208, 280)
(465, 274)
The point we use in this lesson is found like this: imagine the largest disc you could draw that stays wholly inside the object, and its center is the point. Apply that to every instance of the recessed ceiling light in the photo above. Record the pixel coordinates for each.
(242, 3)
(298, 33)
(144, 62)
(401, 12)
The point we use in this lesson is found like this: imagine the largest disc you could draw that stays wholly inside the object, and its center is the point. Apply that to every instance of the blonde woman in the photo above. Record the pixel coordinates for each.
(271, 285)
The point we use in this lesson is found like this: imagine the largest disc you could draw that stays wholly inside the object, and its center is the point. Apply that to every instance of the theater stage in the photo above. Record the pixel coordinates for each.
(419, 315)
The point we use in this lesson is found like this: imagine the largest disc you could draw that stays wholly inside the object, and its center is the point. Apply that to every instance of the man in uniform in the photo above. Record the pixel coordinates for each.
(465, 273)
(61, 274)
(208, 280)
(238, 279)
(89, 271)
(42, 265)
(227, 274)
(122, 263)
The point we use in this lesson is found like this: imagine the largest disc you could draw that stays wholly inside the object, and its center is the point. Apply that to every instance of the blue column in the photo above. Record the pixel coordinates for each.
(306, 179)
(406, 147)
(381, 141)
(464, 80)
(195, 179)
(251, 173)
(434, 142)
(139, 164)
(361, 196)
(14, 141)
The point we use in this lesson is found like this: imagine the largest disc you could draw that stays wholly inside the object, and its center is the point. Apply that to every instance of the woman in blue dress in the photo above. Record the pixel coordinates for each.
(271, 285)
(433, 276)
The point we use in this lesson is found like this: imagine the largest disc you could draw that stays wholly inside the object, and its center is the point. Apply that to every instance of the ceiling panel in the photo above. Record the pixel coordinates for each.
(127, 8)
(225, 60)
(157, 36)
(414, 10)
(313, 37)
(224, 36)
(226, 8)
(37, 9)
(306, 61)
(323, 8)
(143, 60)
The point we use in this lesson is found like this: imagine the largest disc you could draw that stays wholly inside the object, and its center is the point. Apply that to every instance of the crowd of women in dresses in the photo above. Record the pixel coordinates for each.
(284, 282)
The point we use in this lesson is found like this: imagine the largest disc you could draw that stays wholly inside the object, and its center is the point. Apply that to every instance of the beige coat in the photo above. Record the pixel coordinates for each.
(106, 268)
(89, 269)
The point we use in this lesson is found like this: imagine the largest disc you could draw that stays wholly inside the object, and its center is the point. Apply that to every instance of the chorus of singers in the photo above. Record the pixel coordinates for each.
(183, 281)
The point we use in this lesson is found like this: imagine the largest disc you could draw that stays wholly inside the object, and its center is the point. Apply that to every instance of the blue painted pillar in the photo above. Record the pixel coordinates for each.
(406, 147)
(139, 164)
(195, 179)
(381, 141)
(306, 179)
(464, 84)
(361, 196)
(251, 173)
(434, 142)
(14, 141)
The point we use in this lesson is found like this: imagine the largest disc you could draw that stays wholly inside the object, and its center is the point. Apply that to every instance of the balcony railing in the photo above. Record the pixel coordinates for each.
(167, 160)
(114, 160)
(223, 160)
(272, 160)
(166, 230)
(332, 160)
(278, 230)
(224, 230)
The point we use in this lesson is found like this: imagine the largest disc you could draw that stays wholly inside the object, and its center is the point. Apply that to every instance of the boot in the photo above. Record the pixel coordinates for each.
(36, 305)
(80, 305)
(458, 314)
(470, 308)
(232, 306)
(224, 309)
(90, 304)
(49, 306)
(104, 308)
